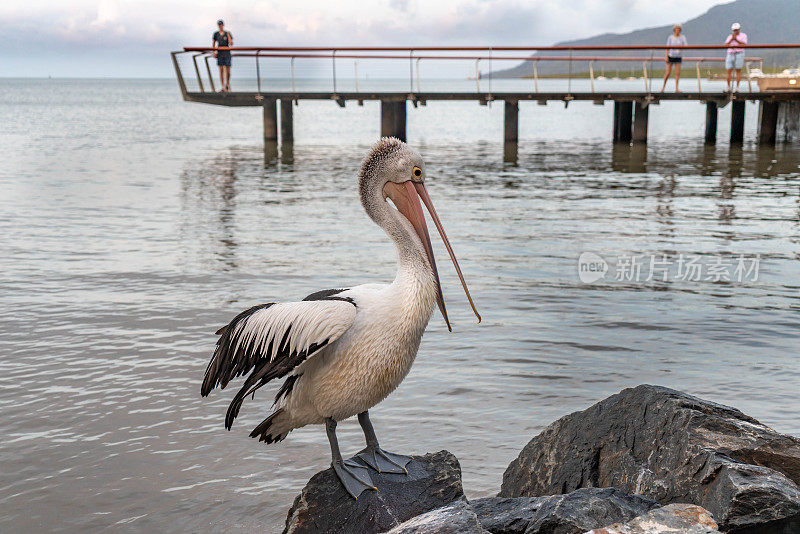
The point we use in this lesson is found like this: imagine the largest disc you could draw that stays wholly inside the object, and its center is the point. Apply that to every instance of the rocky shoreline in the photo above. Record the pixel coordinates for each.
(648, 460)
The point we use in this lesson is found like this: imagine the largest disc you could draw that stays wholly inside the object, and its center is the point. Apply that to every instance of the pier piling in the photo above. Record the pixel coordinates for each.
(623, 121)
(737, 122)
(393, 119)
(287, 122)
(789, 121)
(640, 116)
(270, 121)
(711, 123)
(511, 122)
(767, 122)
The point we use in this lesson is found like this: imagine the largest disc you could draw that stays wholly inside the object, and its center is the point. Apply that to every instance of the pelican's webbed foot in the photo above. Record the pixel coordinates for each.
(383, 461)
(377, 458)
(354, 476)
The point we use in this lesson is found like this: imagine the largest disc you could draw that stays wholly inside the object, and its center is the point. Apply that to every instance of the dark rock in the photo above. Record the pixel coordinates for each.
(507, 515)
(434, 480)
(671, 447)
(574, 512)
(671, 519)
(456, 518)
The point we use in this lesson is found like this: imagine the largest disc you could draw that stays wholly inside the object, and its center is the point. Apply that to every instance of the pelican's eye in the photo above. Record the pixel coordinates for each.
(417, 172)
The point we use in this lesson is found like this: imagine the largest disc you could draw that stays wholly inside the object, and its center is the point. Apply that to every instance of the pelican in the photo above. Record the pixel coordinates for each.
(342, 351)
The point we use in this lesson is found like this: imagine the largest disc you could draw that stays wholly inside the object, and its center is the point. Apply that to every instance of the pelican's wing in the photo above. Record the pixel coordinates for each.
(272, 339)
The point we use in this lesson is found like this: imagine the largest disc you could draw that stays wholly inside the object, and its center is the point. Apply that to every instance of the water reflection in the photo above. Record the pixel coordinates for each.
(727, 210)
(208, 194)
(665, 173)
(629, 158)
(766, 160)
(287, 153)
(664, 202)
(707, 159)
(511, 153)
(270, 152)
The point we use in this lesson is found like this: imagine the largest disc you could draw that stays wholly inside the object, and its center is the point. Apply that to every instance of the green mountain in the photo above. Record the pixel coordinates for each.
(764, 22)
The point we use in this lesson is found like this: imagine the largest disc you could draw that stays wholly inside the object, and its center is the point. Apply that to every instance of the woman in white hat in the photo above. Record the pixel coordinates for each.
(735, 57)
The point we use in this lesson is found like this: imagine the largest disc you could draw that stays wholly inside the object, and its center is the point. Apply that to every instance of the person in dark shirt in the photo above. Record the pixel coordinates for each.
(223, 39)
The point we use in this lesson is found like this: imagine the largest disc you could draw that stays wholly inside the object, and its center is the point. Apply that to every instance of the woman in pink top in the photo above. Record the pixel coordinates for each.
(735, 58)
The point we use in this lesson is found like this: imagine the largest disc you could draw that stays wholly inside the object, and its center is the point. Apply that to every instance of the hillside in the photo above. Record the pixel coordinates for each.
(764, 21)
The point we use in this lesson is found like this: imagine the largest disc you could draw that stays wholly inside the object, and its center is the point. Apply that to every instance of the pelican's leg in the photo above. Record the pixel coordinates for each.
(354, 476)
(374, 456)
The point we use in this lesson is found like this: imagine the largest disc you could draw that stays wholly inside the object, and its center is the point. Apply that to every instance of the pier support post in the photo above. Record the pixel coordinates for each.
(615, 135)
(711, 123)
(789, 120)
(767, 122)
(393, 119)
(270, 121)
(511, 122)
(270, 130)
(737, 122)
(287, 122)
(623, 122)
(640, 116)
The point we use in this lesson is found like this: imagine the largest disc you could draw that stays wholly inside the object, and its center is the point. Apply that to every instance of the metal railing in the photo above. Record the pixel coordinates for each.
(486, 55)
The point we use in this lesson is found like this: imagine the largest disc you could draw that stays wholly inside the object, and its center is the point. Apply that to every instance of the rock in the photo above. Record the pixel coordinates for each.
(671, 519)
(434, 480)
(574, 512)
(501, 515)
(671, 447)
(456, 518)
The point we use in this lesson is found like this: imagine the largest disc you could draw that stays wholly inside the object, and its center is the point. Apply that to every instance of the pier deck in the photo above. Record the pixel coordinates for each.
(254, 98)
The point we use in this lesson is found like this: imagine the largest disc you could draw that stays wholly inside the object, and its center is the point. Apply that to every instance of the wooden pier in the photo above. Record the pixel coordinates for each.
(631, 109)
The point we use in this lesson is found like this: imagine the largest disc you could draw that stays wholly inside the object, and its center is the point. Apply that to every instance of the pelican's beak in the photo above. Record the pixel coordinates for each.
(406, 199)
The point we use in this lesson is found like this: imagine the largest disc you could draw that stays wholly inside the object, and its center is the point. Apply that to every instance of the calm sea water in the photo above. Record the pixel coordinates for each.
(133, 225)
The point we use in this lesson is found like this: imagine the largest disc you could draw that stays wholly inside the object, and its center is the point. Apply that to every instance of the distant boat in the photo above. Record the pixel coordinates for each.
(788, 80)
(601, 78)
(630, 78)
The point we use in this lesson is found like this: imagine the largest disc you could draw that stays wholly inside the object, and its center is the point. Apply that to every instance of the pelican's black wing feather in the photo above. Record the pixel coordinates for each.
(270, 340)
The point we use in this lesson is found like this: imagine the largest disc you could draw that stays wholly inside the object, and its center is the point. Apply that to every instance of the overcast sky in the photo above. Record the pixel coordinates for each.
(132, 38)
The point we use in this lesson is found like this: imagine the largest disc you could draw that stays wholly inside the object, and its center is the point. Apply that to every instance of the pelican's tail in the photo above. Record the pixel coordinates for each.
(274, 428)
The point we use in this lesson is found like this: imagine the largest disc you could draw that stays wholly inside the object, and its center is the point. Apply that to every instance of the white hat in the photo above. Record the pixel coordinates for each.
(736, 26)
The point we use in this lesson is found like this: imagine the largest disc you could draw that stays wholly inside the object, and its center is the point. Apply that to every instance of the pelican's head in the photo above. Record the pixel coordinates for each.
(394, 170)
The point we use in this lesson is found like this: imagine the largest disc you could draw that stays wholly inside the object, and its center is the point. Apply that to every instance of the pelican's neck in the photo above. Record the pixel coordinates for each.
(414, 281)
(414, 273)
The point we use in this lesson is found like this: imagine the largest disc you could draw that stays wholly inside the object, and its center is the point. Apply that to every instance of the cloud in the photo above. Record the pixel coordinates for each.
(400, 5)
(140, 33)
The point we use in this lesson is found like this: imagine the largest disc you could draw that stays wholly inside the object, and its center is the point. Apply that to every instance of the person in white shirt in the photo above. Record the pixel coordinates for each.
(735, 58)
(674, 56)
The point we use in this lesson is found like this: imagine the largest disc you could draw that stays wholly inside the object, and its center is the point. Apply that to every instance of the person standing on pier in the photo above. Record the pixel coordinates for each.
(735, 57)
(674, 56)
(223, 38)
